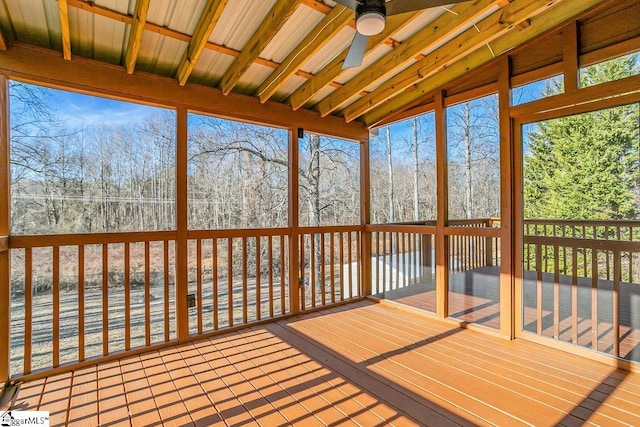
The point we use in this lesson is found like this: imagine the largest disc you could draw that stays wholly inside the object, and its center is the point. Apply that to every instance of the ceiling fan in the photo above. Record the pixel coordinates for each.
(370, 20)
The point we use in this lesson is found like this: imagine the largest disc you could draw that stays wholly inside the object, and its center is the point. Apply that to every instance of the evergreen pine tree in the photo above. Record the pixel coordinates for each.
(586, 166)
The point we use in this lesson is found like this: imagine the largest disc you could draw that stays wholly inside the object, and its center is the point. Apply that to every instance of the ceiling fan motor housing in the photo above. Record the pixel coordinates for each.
(370, 17)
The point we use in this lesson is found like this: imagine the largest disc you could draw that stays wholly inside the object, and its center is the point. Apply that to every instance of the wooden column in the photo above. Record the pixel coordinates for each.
(442, 243)
(507, 266)
(570, 57)
(365, 218)
(182, 277)
(294, 223)
(5, 283)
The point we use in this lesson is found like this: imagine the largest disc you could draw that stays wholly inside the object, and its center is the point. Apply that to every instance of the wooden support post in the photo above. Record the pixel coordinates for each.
(507, 266)
(294, 223)
(442, 243)
(570, 57)
(5, 282)
(365, 218)
(182, 285)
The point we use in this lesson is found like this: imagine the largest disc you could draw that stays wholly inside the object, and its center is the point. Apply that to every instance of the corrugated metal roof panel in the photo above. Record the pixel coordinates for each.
(122, 6)
(418, 23)
(324, 92)
(332, 49)
(36, 22)
(181, 16)
(97, 37)
(210, 68)
(300, 24)
(288, 88)
(239, 20)
(251, 80)
(160, 55)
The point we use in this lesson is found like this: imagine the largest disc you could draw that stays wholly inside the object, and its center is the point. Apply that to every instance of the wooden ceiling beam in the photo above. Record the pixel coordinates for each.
(333, 69)
(539, 24)
(63, 11)
(314, 41)
(3, 42)
(207, 22)
(135, 34)
(275, 19)
(464, 16)
(474, 38)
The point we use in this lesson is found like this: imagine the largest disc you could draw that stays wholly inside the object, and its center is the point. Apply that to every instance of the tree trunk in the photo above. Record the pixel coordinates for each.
(467, 159)
(416, 195)
(390, 194)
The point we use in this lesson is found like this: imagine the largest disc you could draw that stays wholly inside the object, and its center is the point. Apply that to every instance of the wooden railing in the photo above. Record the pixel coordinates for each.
(83, 296)
(402, 255)
(597, 261)
(78, 299)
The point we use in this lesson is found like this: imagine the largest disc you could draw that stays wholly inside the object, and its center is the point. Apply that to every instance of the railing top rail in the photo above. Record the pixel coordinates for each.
(585, 222)
(47, 240)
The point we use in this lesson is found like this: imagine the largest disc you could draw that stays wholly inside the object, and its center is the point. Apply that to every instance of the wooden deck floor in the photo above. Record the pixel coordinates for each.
(361, 364)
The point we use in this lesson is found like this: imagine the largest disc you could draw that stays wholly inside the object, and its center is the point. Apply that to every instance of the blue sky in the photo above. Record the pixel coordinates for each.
(78, 110)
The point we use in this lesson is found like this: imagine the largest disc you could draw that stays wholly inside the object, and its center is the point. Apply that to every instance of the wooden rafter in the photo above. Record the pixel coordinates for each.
(63, 11)
(314, 41)
(275, 19)
(208, 20)
(464, 16)
(135, 35)
(3, 42)
(540, 24)
(332, 70)
(448, 54)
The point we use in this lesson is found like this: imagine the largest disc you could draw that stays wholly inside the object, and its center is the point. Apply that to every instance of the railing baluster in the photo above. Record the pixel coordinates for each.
(617, 272)
(342, 278)
(384, 263)
(258, 284)
(312, 255)
(282, 275)
(396, 237)
(594, 298)
(322, 270)
(127, 296)
(28, 309)
(332, 265)
(105, 300)
(230, 280)
(56, 306)
(199, 283)
(165, 258)
(359, 261)
(245, 295)
(539, 288)
(214, 273)
(574, 297)
(147, 294)
(81, 280)
(349, 260)
(556, 292)
(302, 285)
(270, 255)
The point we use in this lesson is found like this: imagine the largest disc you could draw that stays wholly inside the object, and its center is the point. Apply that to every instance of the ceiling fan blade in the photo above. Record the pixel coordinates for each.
(356, 51)
(351, 4)
(395, 7)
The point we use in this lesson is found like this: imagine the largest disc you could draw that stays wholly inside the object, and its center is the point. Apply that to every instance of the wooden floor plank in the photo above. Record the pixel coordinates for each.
(112, 403)
(83, 406)
(362, 364)
(142, 406)
(55, 398)
(202, 410)
(172, 410)
(28, 395)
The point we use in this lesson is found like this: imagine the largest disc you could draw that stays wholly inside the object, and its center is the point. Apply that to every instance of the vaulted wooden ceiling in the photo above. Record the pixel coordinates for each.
(287, 51)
